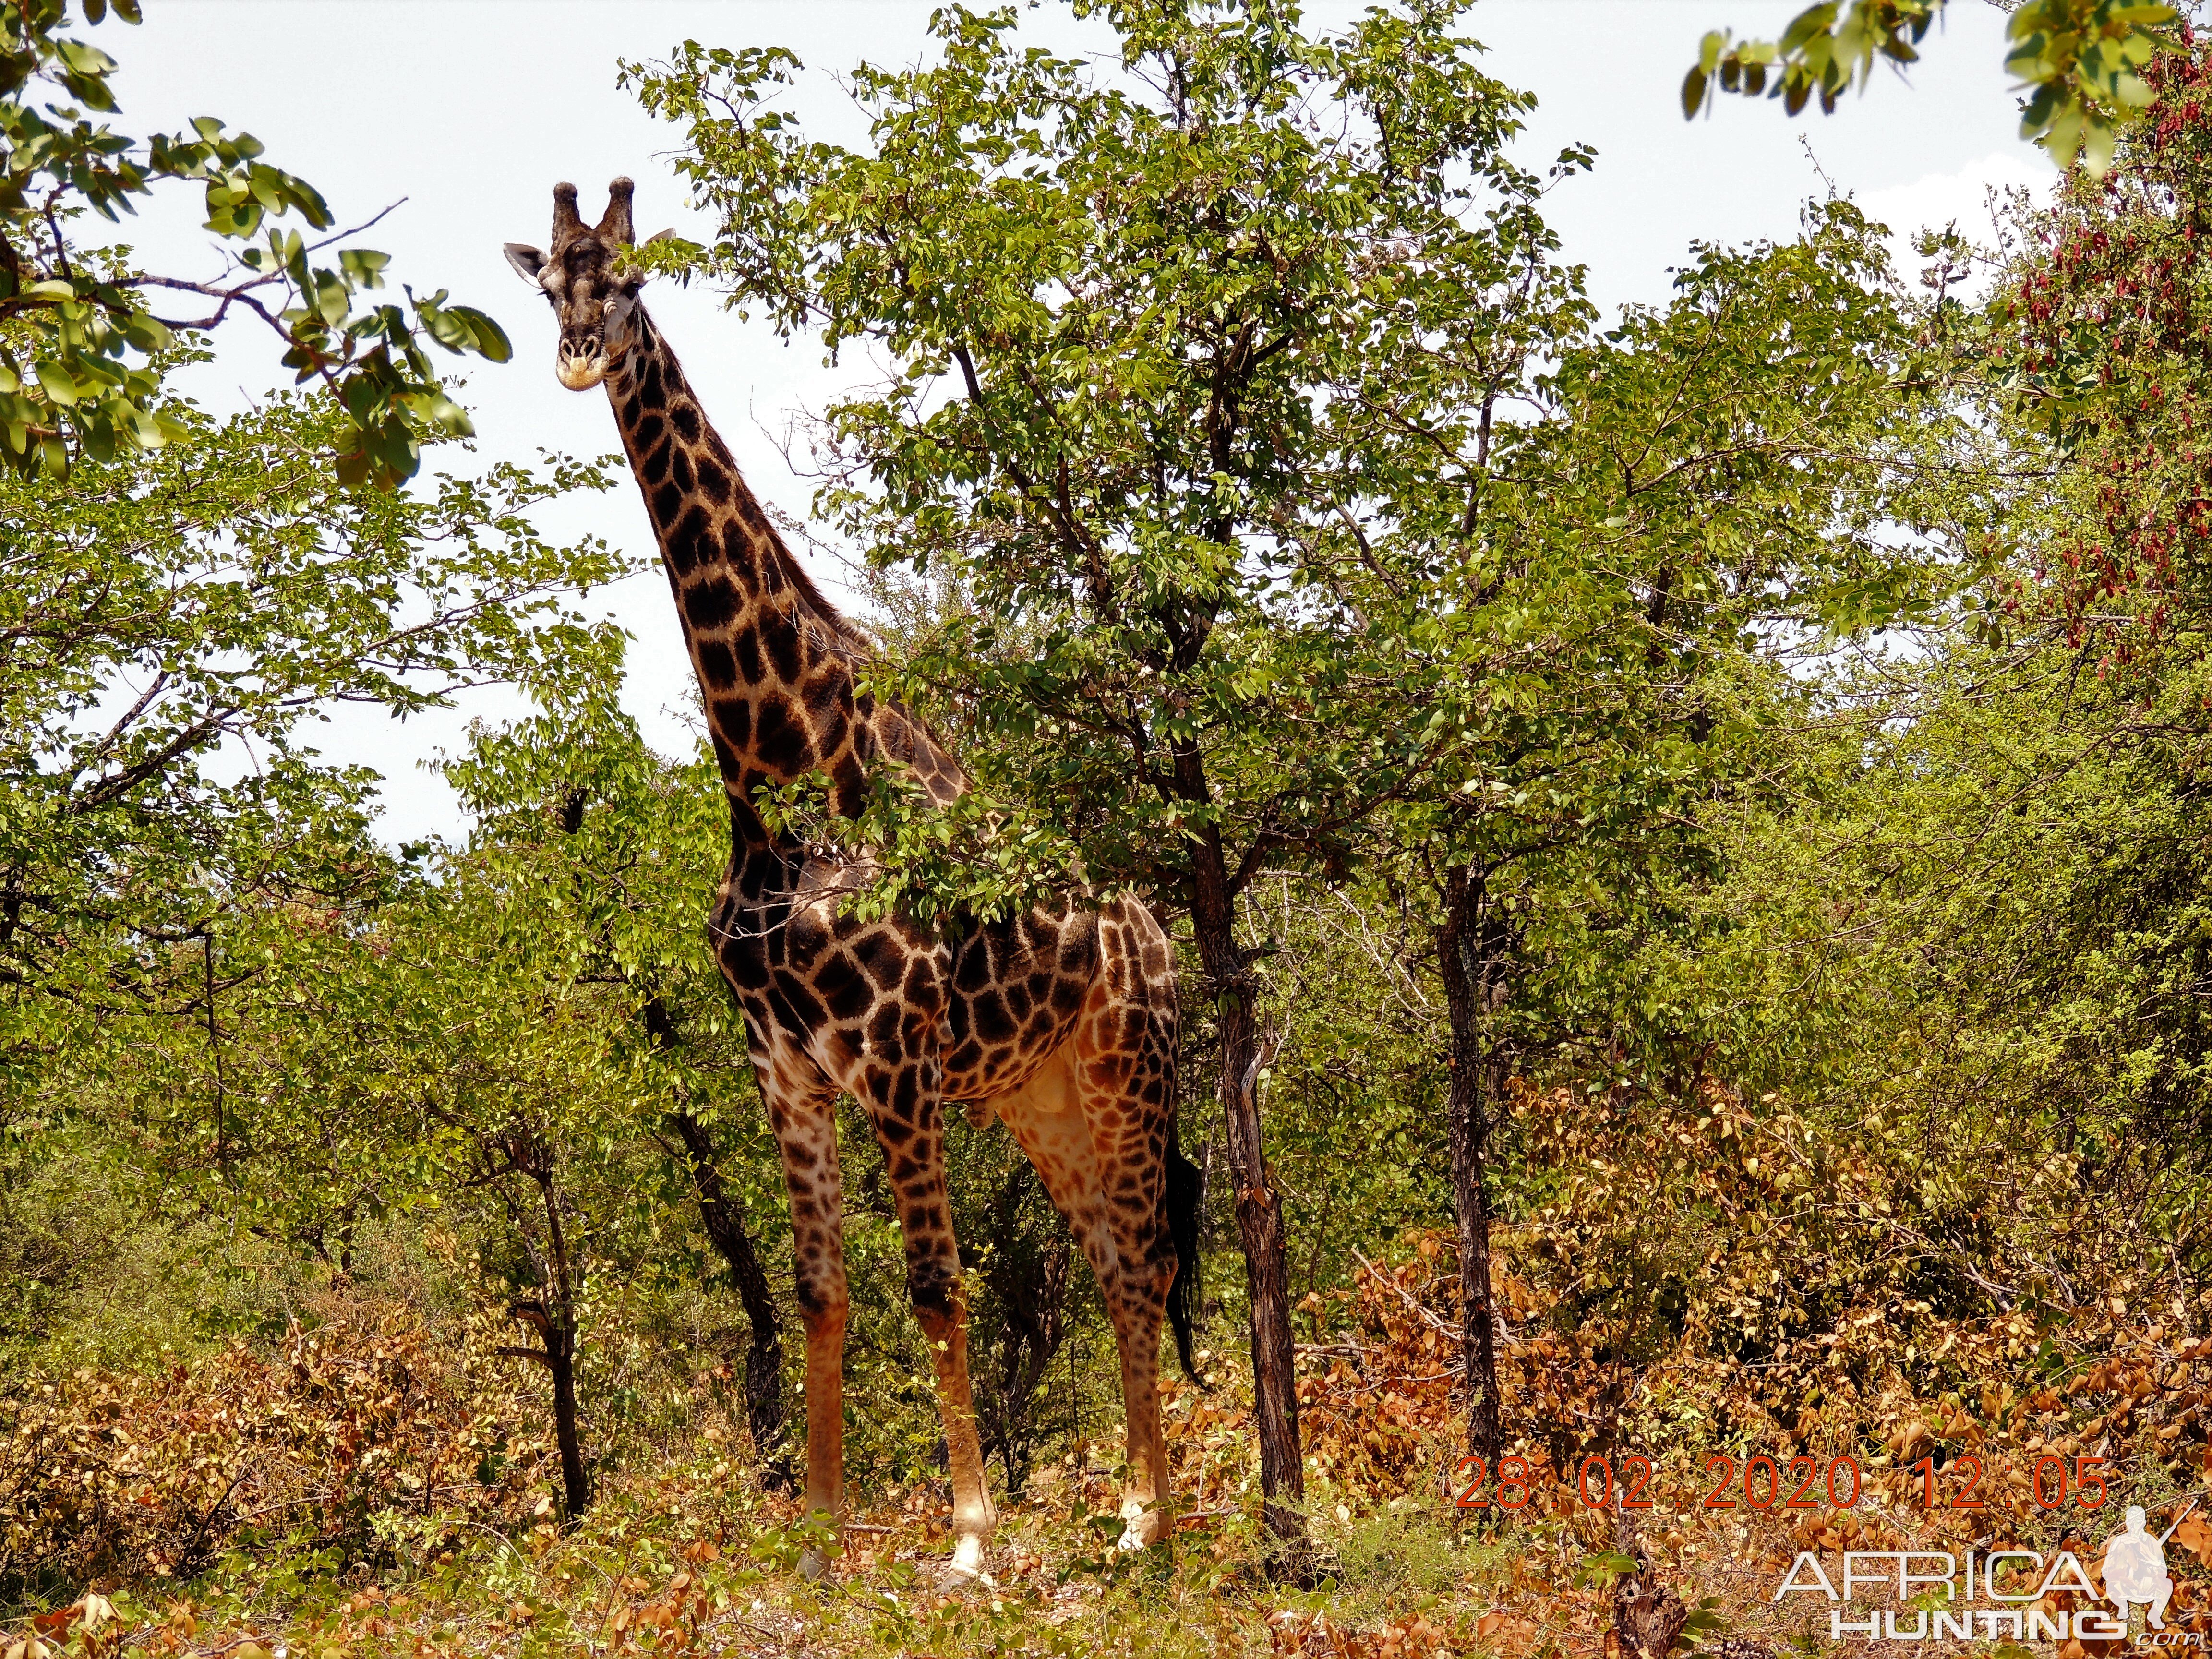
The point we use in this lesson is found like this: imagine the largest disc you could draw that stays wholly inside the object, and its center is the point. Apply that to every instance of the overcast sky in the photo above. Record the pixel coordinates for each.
(473, 109)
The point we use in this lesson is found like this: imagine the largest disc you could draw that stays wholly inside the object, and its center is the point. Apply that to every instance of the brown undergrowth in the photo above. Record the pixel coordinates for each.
(369, 1485)
(368, 1426)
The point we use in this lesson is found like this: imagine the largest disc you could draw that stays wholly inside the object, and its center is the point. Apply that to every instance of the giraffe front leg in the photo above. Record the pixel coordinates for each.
(806, 1136)
(824, 1313)
(945, 1322)
(907, 1117)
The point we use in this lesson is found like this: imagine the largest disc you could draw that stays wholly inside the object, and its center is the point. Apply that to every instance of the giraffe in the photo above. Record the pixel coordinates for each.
(1061, 1022)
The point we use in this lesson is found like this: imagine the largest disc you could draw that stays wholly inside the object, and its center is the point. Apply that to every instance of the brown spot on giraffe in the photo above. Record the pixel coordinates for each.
(1062, 1022)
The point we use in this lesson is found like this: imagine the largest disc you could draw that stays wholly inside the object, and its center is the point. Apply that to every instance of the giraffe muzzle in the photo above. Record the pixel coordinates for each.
(581, 366)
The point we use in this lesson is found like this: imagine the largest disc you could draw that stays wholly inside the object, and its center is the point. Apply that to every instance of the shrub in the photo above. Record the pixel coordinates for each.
(365, 1420)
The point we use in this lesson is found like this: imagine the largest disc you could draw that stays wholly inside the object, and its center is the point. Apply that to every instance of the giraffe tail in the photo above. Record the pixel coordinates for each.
(1180, 1199)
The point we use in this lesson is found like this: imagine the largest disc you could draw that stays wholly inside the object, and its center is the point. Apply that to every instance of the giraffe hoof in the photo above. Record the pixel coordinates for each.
(812, 1564)
(966, 1566)
(1140, 1531)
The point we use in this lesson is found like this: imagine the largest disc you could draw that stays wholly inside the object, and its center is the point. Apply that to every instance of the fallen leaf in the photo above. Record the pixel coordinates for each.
(2195, 1535)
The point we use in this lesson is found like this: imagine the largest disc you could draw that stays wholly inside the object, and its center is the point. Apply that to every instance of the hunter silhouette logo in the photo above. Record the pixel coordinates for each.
(2134, 1569)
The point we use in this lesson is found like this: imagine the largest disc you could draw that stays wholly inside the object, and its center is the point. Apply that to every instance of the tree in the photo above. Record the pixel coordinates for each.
(1741, 454)
(526, 1033)
(180, 875)
(2039, 829)
(2086, 62)
(71, 316)
(2098, 337)
(1133, 317)
(629, 842)
(174, 618)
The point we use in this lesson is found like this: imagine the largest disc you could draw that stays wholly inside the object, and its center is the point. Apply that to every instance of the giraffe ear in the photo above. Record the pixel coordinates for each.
(529, 264)
(660, 236)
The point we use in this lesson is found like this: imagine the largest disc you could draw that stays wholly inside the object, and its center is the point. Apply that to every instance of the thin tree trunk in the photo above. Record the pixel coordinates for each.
(560, 1359)
(726, 1231)
(555, 1324)
(1259, 1215)
(554, 1318)
(1467, 998)
(1648, 1616)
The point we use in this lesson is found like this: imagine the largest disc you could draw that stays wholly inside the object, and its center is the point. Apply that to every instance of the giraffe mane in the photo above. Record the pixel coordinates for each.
(815, 603)
(853, 641)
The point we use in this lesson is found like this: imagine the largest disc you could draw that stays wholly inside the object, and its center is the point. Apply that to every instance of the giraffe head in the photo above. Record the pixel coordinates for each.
(596, 303)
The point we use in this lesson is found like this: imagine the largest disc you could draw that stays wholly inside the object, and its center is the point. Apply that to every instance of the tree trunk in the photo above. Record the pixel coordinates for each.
(1467, 992)
(726, 1231)
(561, 1358)
(1648, 1617)
(1259, 1215)
(554, 1319)
(555, 1324)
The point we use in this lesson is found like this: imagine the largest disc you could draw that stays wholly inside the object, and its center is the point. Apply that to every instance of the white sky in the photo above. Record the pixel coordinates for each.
(473, 109)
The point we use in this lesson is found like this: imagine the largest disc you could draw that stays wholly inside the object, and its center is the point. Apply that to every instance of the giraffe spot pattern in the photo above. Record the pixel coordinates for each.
(787, 655)
(778, 737)
(751, 668)
(709, 604)
(718, 669)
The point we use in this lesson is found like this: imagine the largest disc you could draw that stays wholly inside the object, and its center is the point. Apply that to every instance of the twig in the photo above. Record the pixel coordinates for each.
(1427, 1316)
(191, 1554)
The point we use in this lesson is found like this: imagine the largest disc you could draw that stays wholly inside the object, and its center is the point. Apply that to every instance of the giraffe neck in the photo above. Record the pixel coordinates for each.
(773, 657)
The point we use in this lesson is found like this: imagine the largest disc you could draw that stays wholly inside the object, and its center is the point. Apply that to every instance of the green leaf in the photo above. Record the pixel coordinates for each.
(1694, 93)
(55, 379)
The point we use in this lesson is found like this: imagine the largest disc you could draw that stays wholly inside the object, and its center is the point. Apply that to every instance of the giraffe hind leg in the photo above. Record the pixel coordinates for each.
(1137, 1310)
(1125, 1073)
(1053, 1118)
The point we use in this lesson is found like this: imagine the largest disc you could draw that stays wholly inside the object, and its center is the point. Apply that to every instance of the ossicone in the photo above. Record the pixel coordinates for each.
(616, 226)
(567, 224)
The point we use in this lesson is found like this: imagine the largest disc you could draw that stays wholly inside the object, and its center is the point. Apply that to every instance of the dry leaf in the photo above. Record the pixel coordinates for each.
(2195, 1535)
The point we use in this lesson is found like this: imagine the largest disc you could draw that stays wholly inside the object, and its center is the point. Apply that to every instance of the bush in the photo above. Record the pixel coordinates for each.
(364, 1427)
